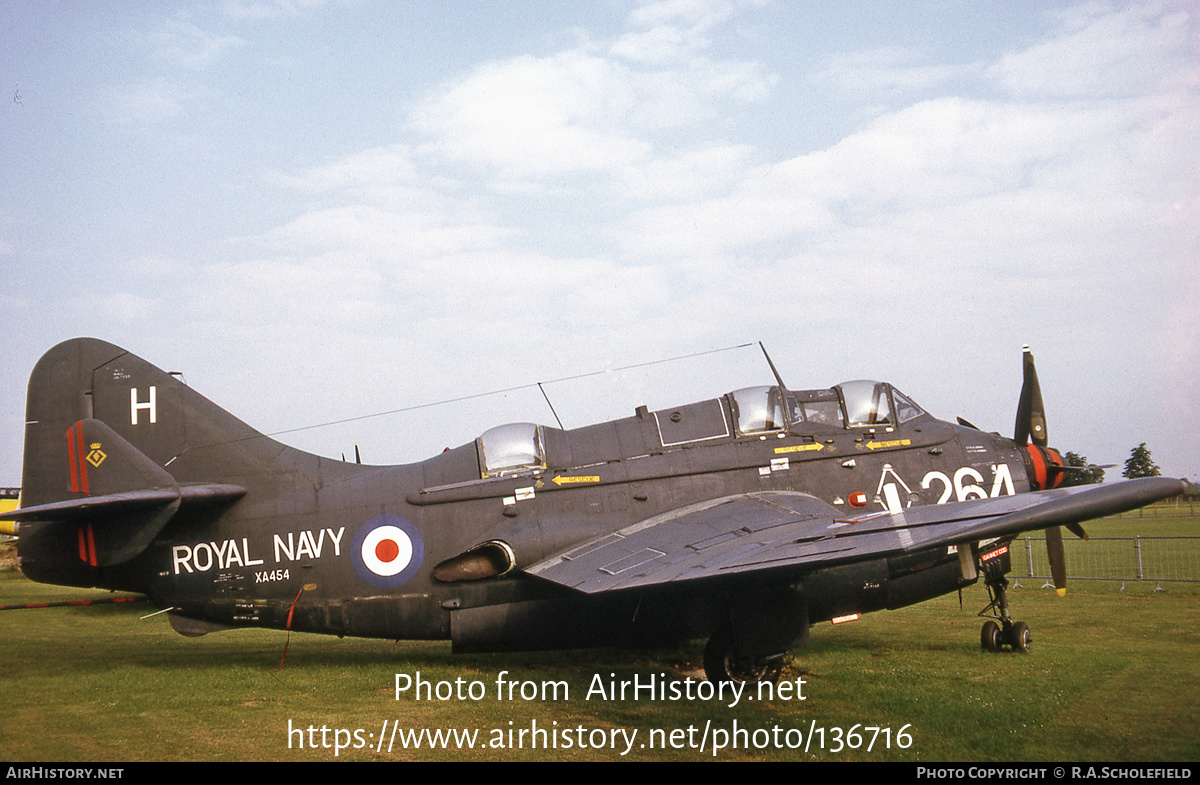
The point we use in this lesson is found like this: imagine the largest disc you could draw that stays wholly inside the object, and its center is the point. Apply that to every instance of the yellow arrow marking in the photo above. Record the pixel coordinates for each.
(799, 448)
(894, 443)
(561, 481)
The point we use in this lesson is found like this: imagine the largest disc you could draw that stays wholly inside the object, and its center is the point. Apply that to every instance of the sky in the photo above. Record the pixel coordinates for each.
(324, 210)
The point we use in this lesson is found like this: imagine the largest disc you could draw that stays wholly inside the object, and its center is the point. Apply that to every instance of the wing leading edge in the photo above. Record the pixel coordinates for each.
(778, 532)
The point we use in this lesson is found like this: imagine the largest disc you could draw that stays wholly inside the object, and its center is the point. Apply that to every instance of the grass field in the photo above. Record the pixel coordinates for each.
(1112, 677)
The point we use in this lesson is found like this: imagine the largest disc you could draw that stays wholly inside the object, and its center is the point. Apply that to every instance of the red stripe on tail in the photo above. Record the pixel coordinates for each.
(71, 459)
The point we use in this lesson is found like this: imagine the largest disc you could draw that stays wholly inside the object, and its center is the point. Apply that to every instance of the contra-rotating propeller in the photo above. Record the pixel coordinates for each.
(1044, 465)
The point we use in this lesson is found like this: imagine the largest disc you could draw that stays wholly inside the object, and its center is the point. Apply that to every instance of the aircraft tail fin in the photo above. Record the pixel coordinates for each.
(85, 391)
(114, 447)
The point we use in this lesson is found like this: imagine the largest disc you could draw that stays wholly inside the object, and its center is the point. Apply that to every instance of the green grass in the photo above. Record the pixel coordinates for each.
(1156, 523)
(1112, 676)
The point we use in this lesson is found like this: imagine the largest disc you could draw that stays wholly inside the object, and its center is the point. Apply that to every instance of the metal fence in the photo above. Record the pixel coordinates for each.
(1149, 559)
(1179, 507)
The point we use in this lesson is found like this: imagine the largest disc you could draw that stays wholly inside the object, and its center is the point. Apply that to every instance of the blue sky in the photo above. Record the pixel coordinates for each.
(322, 210)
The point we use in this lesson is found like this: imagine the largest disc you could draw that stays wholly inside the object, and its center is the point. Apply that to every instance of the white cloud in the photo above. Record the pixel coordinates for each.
(582, 110)
(673, 30)
(156, 267)
(368, 170)
(152, 102)
(687, 176)
(1105, 53)
(181, 43)
(388, 234)
(124, 308)
(952, 223)
(536, 117)
(889, 73)
(331, 290)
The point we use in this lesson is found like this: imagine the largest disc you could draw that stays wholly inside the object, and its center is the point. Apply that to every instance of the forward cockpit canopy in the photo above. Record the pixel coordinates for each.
(850, 404)
(876, 403)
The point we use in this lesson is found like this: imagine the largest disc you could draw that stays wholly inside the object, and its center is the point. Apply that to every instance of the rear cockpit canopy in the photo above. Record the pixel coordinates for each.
(512, 448)
(757, 410)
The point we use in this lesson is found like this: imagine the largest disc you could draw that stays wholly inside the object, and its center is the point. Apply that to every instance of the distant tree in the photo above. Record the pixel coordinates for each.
(1092, 475)
(1140, 464)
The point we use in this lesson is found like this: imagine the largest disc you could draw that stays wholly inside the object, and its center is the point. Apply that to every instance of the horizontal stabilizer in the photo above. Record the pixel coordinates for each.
(121, 499)
(113, 504)
(129, 502)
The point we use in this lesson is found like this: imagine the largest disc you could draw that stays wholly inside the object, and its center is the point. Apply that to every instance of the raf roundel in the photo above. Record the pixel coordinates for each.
(387, 551)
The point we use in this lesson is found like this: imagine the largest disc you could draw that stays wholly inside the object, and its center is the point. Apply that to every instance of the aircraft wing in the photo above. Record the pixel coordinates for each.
(786, 532)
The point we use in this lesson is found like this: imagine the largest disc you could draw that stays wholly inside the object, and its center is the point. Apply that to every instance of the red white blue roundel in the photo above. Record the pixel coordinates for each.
(387, 551)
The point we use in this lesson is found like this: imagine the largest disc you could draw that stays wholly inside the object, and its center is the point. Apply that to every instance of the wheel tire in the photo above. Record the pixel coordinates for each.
(989, 637)
(721, 664)
(1022, 639)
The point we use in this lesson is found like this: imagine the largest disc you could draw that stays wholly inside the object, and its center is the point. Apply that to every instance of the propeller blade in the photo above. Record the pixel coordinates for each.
(1057, 556)
(357, 457)
(1078, 531)
(1031, 414)
(1090, 467)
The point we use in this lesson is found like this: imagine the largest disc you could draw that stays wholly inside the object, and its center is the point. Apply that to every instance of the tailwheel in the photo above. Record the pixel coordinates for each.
(722, 664)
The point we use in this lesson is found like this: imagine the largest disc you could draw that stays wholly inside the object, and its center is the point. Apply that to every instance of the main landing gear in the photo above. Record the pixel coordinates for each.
(722, 664)
(1000, 630)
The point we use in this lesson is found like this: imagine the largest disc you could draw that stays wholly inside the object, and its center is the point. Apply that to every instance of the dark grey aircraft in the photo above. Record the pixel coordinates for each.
(744, 519)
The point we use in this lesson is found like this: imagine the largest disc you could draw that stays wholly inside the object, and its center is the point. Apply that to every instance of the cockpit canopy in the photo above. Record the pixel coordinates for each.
(870, 403)
(511, 448)
(757, 409)
(519, 448)
(866, 403)
(815, 410)
(850, 404)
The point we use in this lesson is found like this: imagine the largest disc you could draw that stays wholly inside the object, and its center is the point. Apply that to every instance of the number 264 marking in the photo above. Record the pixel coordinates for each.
(967, 484)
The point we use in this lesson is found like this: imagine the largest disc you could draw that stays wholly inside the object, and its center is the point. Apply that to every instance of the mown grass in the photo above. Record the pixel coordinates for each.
(1155, 521)
(1111, 677)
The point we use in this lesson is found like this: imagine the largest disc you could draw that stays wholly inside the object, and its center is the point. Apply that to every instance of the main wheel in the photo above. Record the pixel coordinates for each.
(989, 637)
(721, 664)
(1022, 639)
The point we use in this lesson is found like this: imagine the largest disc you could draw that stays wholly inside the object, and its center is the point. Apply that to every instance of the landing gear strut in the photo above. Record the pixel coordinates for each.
(995, 636)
